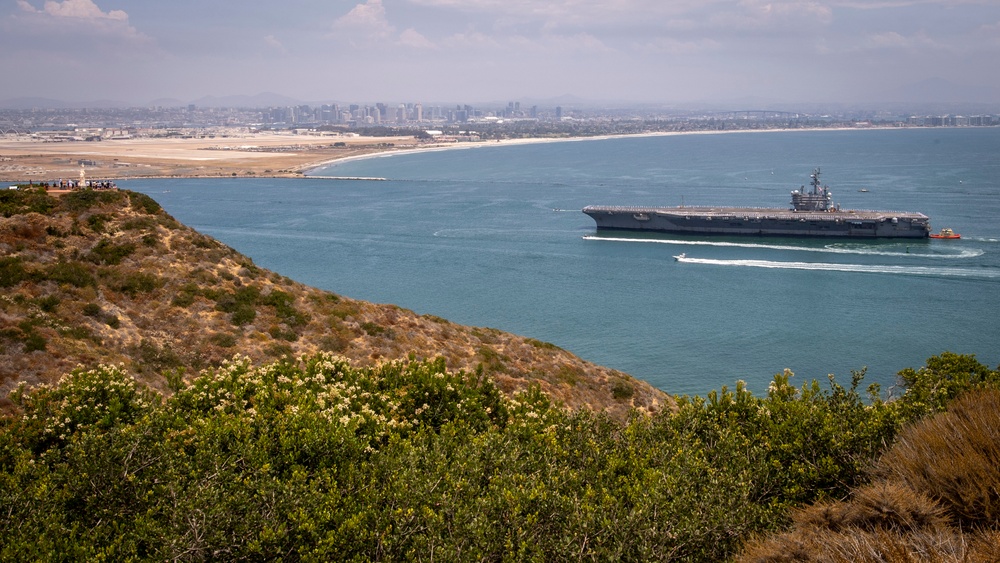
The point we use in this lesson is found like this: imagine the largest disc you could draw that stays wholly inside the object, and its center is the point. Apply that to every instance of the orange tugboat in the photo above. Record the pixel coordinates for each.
(946, 233)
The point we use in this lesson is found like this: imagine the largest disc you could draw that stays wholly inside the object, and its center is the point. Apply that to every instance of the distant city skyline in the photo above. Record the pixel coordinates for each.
(474, 51)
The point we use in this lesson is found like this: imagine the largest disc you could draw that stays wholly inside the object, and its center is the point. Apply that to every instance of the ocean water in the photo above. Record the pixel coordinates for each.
(493, 236)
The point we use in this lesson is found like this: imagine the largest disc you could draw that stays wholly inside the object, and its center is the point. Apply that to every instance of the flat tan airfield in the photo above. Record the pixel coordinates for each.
(23, 159)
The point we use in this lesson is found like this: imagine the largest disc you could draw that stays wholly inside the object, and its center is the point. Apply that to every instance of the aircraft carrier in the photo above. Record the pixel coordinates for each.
(812, 214)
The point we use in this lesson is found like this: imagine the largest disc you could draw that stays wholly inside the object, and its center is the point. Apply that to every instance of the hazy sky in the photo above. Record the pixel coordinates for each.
(484, 50)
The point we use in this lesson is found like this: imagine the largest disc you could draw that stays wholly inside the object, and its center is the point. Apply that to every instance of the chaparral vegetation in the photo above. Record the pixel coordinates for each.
(284, 423)
(315, 459)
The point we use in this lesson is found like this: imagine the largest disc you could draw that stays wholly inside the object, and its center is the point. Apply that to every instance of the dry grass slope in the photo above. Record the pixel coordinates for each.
(935, 497)
(108, 277)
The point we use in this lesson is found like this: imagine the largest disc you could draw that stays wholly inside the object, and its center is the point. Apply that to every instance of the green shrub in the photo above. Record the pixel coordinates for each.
(48, 303)
(107, 252)
(246, 296)
(243, 315)
(73, 273)
(156, 357)
(622, 391)
(139, 224)
(17, 202)
(223, 339)
(79, 332)
(98, 221)
(144, 203)
(81, 200)
(279, 350)
(284, 309)
(946, 376)
(135, 283)
(278, 334)
(34, 342)
(186, 294)
(542, 345)
(12, 270)
(27, 334)
(202, 241)
(85, 400)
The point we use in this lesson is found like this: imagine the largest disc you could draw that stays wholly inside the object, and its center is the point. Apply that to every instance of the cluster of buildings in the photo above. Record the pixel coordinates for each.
(954, 121)
(492, 121)
(357, 115)
(288, 116)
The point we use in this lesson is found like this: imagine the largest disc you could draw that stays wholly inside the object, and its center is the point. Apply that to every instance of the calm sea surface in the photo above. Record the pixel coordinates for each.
(494, 236)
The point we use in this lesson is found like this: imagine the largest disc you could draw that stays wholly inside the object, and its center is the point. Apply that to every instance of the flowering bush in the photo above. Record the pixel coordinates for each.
(317, 459)
(84, 400)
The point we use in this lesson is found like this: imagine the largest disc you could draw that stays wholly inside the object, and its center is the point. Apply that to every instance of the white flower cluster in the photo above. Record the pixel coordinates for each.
(83, 399)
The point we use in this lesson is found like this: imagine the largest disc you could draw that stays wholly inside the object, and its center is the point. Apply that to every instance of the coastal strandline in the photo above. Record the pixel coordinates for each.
(253, 155)
(469, 145)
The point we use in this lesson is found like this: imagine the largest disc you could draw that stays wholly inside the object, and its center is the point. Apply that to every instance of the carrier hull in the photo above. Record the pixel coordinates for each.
(812, 214)
(761, 222)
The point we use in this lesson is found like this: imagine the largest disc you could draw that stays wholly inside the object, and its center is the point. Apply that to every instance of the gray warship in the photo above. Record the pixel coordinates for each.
(812, 214)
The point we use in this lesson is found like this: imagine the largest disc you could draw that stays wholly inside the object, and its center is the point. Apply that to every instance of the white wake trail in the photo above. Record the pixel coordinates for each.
(829, 249)
(863, 268)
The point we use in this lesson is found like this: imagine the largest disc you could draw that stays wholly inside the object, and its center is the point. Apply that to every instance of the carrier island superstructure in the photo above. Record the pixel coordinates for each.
(812, 214)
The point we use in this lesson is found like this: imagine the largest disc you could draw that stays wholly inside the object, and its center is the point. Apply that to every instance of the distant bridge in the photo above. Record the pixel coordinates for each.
(8, 128)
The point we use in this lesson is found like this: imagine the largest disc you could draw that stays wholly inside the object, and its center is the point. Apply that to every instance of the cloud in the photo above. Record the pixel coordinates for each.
(770, 12)
(411, 38)
(991, 32)
(614, 13)
(641, 27)
(475, 40)
(895, 40)
(69, 21)
(275, 44)
(366, 26)
(890, 4)
(80, 9)
(541, 47)
(85, 9)
(671, 46)
(365, 23)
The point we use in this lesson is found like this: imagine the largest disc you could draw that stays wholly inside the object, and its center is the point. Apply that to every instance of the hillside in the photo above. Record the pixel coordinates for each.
(108, 277)
(324, 428)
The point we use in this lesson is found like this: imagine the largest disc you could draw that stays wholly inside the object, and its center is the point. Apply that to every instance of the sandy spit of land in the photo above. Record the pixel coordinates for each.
(23, 159)
(265, 154)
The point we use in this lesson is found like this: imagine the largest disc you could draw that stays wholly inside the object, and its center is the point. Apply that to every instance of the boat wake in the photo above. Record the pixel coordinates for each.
(862, 268)
(828, 249)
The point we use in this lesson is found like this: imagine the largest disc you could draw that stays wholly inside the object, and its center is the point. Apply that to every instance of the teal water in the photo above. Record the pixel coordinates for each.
(494, 236)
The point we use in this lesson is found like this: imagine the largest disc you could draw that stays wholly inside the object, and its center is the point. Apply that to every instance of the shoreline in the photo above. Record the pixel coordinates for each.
(544, 140)
(261, 156)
